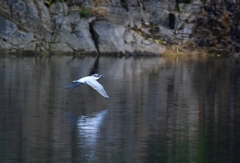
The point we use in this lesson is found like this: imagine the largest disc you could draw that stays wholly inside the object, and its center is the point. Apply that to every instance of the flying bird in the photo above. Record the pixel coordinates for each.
(91, 81)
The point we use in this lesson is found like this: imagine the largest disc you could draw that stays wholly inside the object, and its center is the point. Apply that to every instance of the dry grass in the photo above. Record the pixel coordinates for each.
(185, 50)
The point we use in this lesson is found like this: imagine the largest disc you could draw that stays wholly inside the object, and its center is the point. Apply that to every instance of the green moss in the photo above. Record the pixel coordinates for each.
(153, 26)
(181, 11)
(85, 13)
(160, 42)
(157, 35)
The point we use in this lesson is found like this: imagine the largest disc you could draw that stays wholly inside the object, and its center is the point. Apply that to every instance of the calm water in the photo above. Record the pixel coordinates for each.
(181, 110)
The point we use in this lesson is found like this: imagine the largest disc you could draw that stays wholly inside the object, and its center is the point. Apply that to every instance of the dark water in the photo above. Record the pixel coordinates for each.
(181, 110)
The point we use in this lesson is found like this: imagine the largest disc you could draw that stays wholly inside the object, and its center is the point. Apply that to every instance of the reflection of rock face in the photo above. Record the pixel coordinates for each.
(159, 109)
(88, 127)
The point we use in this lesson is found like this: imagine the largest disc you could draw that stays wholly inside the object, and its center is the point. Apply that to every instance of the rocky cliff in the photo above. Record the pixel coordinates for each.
(118, 26)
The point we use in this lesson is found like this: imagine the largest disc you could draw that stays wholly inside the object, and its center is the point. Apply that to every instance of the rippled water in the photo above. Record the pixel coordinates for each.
(181, 110)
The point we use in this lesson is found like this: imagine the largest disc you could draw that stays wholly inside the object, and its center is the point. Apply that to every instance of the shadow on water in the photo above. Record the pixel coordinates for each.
(161, 110)
(94, 69)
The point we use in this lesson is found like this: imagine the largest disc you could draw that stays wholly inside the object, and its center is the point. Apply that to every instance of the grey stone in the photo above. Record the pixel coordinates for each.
(134, 46)
(119, 16)
(129, 48)
(128, 37)
(73, 9)
(7, 28)
(57, 19)
(152, 4)
(58, 8)
(146, 42)
(4, 45)
(62, 23)
(109, 36)
(136, 36)
(138, 24)
(91, 19)
(186, 31)
(65, 26)
(180, 20)
(194, 7)
(46, 33)
(142, 45)
(132, 2)
(82, 29)
(30, 47)
(73, 18)
(164, 30)
(151, 48)
(136, 13)
(181, 5)
(160, 17)
(25, 13)
(76, 43)
(19, 38)
(183, 17)
(61, 47)
(44, 14)
(146, 30)
(10, 32)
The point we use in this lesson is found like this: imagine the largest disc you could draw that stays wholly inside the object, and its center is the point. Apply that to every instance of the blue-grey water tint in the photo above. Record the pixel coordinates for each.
(181, 110)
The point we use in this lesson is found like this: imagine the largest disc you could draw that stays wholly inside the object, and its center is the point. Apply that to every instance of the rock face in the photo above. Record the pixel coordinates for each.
(24, 13)
(118, 26)
(213, 28)
(13, 38)
(234, 8)
(109, 37)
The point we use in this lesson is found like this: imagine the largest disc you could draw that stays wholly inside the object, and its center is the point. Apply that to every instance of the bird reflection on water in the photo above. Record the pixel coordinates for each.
(88, 130)
(89, 126)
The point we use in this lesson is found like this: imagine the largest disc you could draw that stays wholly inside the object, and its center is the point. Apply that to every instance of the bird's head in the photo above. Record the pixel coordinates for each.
(97, 76)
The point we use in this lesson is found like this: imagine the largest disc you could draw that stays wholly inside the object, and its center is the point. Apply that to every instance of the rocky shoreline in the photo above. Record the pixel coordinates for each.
(117, 27)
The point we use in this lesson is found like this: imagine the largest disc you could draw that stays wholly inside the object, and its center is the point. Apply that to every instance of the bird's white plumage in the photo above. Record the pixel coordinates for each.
(98, 87)
(91, 81)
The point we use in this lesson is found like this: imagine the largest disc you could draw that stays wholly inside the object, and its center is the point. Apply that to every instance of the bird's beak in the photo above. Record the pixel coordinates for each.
(102, 76)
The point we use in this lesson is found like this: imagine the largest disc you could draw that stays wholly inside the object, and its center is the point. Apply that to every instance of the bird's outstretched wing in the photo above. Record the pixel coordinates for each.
(72, 85)
(98, 87)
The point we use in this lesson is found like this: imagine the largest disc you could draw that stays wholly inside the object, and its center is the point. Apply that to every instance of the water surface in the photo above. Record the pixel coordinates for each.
(181, 110)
